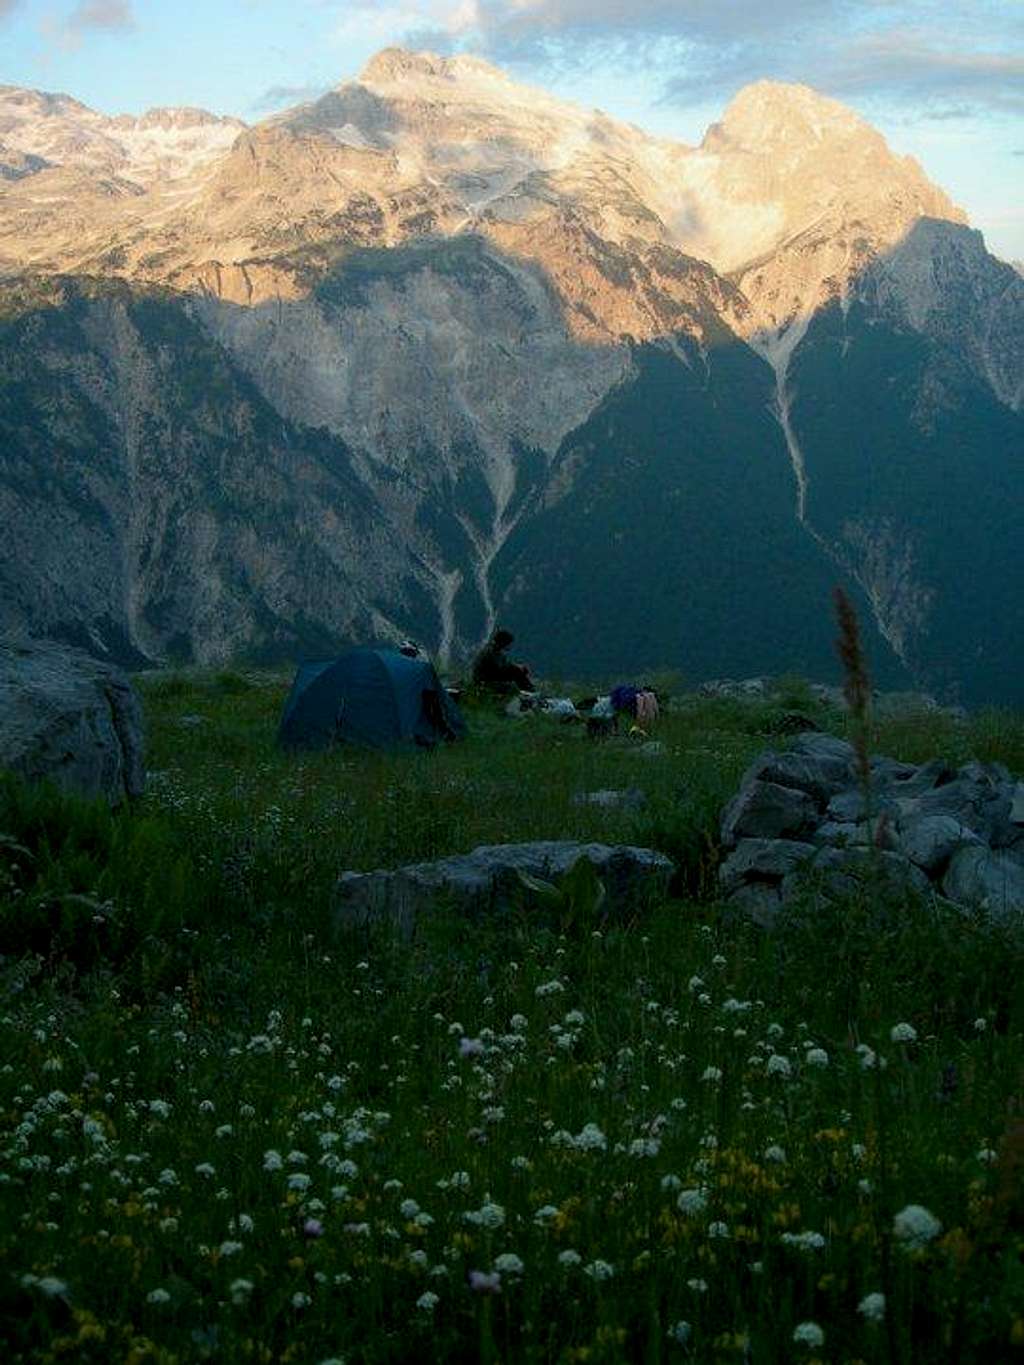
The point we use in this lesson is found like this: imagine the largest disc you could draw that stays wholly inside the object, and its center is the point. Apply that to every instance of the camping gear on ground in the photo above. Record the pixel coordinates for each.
(373, 697)
(557, 706)
(639, 702)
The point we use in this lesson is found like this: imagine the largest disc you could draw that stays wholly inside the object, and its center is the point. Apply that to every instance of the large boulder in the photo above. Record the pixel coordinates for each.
(986, 880)
(766, 810)
(69, 718)
(487, 880)
(931, 840)
(818, 764)
(855, 871)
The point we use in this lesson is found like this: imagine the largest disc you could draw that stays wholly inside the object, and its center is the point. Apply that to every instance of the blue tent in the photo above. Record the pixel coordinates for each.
(374, 697)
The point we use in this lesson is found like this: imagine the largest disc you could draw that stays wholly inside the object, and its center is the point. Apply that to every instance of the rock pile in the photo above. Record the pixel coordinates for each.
(69, 718)
(799, 819)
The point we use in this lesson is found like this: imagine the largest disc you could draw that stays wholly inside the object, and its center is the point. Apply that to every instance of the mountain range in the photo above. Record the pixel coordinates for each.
(437, 349)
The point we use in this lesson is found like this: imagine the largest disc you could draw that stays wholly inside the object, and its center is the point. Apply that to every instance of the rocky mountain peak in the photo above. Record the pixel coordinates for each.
(396, 64)
(777, 114)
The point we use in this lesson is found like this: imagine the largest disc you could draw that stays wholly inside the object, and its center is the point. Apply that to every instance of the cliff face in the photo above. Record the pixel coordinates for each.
(438, 346)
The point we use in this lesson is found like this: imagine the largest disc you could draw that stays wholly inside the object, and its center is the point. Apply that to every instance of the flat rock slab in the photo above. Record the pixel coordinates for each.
(70, 719)
(486, 880)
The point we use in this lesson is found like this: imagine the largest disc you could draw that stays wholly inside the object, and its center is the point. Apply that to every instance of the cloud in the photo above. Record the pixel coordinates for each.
(89, 17)
(706, 49)
(106, 15)
(7, 7)
(281, 96)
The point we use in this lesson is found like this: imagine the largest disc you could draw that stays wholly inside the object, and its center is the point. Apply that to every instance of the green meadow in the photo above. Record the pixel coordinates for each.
(230, 1132)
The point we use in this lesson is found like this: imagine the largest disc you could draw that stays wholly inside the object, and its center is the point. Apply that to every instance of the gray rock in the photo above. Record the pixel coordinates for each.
(820, 774)
(886, 772)
(762, 859)
(486, 880)
(987, 880)
(69, 718)
(979, 800)
(836, 832)
(764, 810)
(852, 805)
(855, 871)
(931, 840)
(632, 798)
(757, 901)
(923, 779)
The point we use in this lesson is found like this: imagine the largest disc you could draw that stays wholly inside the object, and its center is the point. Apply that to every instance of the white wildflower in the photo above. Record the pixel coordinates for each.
(903, 1033)
(692, 1202)
(915, 1227)
(599, 1270)
(808, 1334)
(873, 1307)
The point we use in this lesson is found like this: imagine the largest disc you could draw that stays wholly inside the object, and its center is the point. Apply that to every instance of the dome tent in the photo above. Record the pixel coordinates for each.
(377, 698)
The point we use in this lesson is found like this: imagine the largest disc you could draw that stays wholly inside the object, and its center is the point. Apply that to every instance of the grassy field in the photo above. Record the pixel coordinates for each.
(228, 1133)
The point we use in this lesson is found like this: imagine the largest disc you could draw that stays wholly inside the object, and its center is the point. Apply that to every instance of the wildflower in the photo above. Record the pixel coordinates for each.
(804, 1241)
(224, 1130)
(545, 1214)
(46, 1284)
(240, 1290)
(808, 1334)
(680, 1332)
(873, 1307)
(312, 1228)
(778, 1065)
(300, 1301)
(554, 987)
(988, 1156)
(427, 1302)
(718, 1230)
(168, 1225)
(204, 1168)
(599, 1271)
(408, 1208)
(569, 1258)
(980, 1025)
(206, 1106)
(692, 1202)
(521, 1163)
(671, 1183)
(158, 1296)
(712, 1073)
(272, 1161)
(591, 1139)
(508, 1263)
(776, 1154)
(482, 1283)
(489, 1216)
(698, 1286)
(903, 1033)
(298, 1180)
(816, 1056)
(471, 1047)
(915, 1227)
(868, 1059)
(230, 1248)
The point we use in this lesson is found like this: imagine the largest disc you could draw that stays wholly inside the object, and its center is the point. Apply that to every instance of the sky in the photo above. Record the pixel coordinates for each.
(942, 79)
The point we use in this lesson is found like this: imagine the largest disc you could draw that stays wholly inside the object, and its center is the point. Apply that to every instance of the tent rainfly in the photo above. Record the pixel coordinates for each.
(376, 698)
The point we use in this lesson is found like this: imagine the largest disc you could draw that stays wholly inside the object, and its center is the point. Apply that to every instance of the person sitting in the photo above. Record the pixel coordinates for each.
(494, 669)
